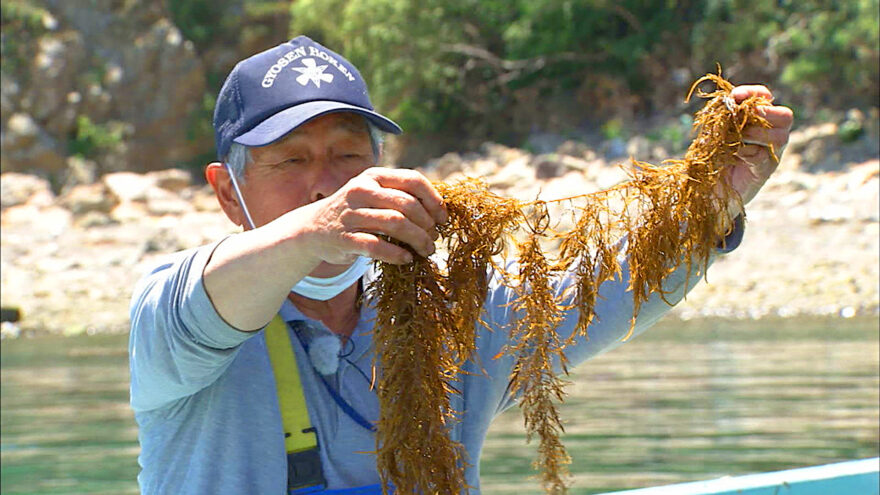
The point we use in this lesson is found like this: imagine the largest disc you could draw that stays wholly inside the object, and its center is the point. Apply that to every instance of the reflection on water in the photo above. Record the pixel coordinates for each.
(688, 402)
(683, 402)
(66, 426)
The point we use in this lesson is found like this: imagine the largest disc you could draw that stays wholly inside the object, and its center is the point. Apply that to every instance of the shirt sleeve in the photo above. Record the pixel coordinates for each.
(611, 323)
(178, 343)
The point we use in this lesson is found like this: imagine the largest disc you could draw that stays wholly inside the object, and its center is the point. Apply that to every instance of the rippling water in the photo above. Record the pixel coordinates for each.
(686, 401)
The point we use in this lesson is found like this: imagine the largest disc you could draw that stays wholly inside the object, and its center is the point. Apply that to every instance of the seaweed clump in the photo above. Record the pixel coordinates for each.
(422, 344)
(671, 216)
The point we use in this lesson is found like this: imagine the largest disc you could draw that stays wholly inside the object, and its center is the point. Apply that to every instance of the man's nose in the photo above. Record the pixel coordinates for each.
(326, 182)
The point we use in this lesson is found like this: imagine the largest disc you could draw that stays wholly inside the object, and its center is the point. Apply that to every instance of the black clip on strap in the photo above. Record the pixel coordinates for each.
(304, 470)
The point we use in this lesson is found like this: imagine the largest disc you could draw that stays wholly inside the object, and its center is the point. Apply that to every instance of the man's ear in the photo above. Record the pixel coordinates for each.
(218, 176)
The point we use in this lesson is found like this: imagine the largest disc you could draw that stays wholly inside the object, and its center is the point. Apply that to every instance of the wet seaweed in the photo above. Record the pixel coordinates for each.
(662, 219)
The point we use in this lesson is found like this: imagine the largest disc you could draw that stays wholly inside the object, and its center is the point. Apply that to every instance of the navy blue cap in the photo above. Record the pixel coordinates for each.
(269, 94)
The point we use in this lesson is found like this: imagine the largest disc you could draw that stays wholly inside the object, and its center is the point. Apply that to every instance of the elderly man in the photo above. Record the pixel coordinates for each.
(297, 138)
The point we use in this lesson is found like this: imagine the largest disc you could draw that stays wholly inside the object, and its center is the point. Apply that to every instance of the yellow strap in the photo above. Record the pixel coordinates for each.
(298, 431)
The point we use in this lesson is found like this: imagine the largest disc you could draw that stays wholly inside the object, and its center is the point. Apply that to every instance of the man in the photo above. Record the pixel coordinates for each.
(297, 138)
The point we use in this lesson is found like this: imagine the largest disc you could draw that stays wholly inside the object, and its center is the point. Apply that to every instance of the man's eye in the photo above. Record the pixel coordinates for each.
(287, 162)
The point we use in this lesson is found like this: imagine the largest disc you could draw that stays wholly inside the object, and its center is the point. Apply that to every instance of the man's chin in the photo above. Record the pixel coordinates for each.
(328, 270)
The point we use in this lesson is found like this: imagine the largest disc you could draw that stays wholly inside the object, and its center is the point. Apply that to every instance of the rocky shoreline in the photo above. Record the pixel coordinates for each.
(68, 262)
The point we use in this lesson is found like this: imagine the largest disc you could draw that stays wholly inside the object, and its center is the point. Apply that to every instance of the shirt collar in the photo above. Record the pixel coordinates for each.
(362, 335)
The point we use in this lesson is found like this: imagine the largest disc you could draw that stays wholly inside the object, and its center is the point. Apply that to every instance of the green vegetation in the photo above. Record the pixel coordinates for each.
(239, 26)
(223, 32)
(499, 68)
(21, 22)
(676, 133)
(203, 21)
(23, 13)
(91, 138)
(822, 51)
(456, 73)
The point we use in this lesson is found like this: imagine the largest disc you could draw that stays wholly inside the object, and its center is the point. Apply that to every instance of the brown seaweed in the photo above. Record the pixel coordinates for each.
(663, 218)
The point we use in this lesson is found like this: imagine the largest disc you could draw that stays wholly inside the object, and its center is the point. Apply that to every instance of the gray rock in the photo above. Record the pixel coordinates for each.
(10, 94)
(22, 130)
(554, 165)
(125, 67)
(576, 148)
(615, 148)
(800, 138)
(94, 219)
(163, 202)
(173, 179)
(500, 154)
(163, 241)
(80, 171)
(446, 165)
(639, 147)
(26, 146)
(17, 189)
(57, 66)
(547, 166)
(516, 174)
(86, 198)
(163, 72)
(129, 186)
(106, 19)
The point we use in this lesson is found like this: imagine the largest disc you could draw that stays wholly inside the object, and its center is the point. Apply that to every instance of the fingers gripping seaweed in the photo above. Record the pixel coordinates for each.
(663, 218)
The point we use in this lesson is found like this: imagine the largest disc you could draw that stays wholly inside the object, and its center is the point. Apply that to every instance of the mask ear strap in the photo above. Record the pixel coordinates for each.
(238, 195)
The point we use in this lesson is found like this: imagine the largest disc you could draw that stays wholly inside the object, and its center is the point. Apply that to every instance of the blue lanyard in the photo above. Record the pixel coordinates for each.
(342, 403)
(346, 407)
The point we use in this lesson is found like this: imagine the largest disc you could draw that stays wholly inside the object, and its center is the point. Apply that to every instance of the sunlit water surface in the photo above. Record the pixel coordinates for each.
(686, 401)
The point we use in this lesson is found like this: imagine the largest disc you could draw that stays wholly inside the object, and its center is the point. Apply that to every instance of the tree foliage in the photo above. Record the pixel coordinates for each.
(456, 73)
(22, 22)
(499, 68)
(822, 52)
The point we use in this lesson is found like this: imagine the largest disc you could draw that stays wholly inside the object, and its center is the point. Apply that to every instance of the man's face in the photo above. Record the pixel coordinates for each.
(309, 164)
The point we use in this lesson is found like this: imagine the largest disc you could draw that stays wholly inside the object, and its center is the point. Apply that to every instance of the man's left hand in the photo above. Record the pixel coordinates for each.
(756, 163)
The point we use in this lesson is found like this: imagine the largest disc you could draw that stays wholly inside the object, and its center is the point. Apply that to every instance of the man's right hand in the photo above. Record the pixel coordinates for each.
(398, 203)
(264, 263)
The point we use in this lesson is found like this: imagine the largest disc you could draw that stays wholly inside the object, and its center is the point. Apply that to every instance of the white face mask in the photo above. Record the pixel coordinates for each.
(328, 288)
(317, 288)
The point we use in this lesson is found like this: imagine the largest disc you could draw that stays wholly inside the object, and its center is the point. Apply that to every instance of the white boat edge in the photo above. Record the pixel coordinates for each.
(860, 477)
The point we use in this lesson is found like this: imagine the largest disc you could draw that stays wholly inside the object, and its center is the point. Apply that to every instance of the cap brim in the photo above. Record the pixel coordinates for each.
(278, 125)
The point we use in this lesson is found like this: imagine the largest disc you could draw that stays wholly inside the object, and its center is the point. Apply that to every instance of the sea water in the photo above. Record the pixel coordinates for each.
(686, 401)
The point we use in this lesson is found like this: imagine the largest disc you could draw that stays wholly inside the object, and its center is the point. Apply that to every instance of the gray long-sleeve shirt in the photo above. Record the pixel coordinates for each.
(204, 395)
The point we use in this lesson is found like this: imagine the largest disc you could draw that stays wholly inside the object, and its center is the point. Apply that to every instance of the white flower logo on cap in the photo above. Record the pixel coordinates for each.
(312, 72)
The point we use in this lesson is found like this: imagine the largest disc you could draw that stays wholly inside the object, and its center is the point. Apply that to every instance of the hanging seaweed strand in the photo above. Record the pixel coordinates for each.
(414, 450)
(536, 345)
(478, 227)
(664, 218)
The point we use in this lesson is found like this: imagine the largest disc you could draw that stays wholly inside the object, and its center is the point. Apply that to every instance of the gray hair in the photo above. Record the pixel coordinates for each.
(240, 155)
